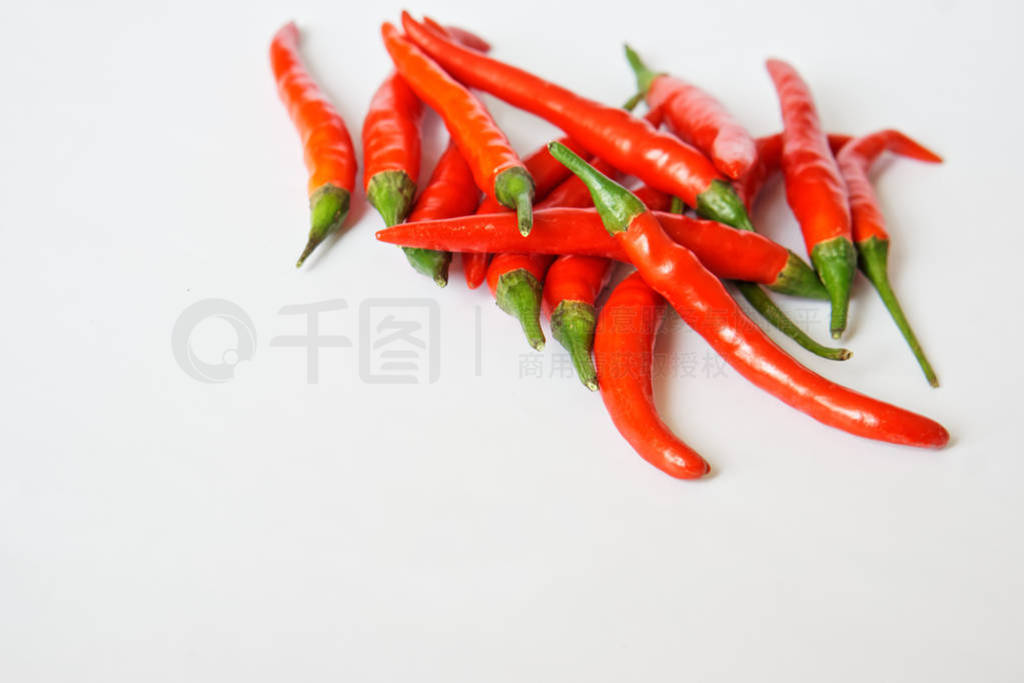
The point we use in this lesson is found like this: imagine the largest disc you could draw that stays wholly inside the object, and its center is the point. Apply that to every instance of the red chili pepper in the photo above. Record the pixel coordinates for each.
(769, 160)
(815, 190)
(654, 200)
(630, 144)
(702, 301)
(623, 348)
(515, 281)
(451, 191)
(697, 118)
(495, 165)
(572, 286)
(729, 253)
(869, 233)
(327, 146)
(547, 175)
(391, 149)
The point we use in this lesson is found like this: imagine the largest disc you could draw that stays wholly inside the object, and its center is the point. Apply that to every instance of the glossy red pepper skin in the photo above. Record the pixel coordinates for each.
(326, 144)
(815, 190)
(496, 167)
(703, 302)
(698, 118)
(451, 191)
(623, 349)
(547, 174)
(769, 161)
(629, 143)
(729, 253)
(869, 234)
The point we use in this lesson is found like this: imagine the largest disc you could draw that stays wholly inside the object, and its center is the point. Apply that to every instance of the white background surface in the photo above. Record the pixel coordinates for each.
(156, 528)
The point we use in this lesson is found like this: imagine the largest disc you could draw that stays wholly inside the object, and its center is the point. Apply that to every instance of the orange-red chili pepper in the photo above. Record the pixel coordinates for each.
(631, 144)
(572, 286)
(697, 118)
(815, 190)
(515, 281)
(451, 191)
(729, 253)
(391, 149)
(624, 350)
(496, 166)
(869, 234)
(327, 146)
(547, 175)
(703, 302)
(769, 160)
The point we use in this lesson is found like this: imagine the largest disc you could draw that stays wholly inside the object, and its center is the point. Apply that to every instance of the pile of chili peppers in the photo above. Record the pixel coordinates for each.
(669, 193)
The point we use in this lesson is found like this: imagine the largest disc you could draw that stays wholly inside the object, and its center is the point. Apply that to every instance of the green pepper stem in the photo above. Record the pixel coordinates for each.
(572, 325)
(874, 261)
(328, 206)
(519, 294)
(768, 309)
(514, 188)
(798, 279)
(432, 263)
(616, 205)
(631, 103)
(676, 205)
(721, 203)
(836, 262)
(643, 73)
(392, 194)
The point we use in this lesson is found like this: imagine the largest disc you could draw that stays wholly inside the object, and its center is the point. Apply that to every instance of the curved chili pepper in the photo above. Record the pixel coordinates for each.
(630, 144)
(451, 191)
(769, 160)
(547, 175)
(729, 253)
(623, 348)
(815, 190)
(515, 281)
(702, 301)
(697, 118)
(495, 165)
(571, 287)
(869, 233)
(327, 146)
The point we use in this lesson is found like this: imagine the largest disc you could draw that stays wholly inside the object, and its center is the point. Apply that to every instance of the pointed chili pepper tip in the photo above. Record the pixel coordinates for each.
(644, 75)
(391, 193)
(572, 325)
(616, 205)
(514, 188)
(328, 206)
(519, 294)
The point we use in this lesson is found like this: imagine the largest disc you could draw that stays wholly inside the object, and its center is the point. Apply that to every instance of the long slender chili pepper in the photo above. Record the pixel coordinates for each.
(327, 146)
(697, 118)
(451, 191)
(869, 233)
(815, 190)
(769, 160)
(515, 281)
(391, 156)
(729, 253)
(495, 165)
(630, 144)
(547, 174)
(702, 301)
(571, 287)
(623, 348)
